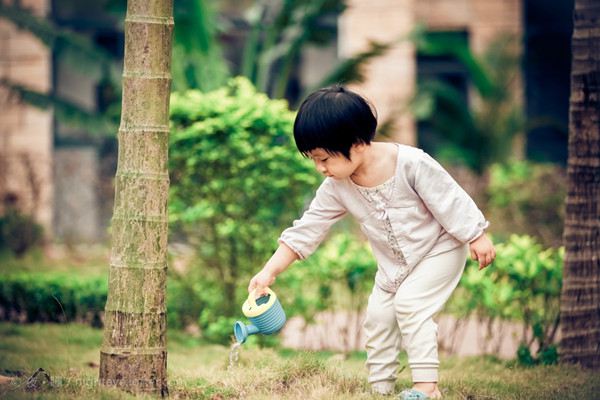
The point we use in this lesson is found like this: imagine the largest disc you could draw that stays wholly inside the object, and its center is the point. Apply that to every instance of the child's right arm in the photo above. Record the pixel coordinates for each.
(301, 240)
(279, 261)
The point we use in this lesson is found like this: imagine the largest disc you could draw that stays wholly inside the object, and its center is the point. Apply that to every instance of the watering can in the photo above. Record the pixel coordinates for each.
(265, 313)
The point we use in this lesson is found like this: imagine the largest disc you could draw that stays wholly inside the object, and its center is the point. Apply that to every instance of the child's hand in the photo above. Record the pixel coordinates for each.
(278, 262)
(483, 251)
(260, 282)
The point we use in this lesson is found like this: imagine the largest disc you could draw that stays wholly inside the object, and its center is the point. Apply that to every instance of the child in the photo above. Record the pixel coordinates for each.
(419, 222)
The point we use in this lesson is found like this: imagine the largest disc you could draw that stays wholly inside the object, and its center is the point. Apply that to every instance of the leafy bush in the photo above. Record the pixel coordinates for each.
(61, 297)
(338, 275)
(237, 181)
(219, 329)
(523, 284)
(184, 301)
(528, 198)
(476, 133)
(19, 232)
(52, 298)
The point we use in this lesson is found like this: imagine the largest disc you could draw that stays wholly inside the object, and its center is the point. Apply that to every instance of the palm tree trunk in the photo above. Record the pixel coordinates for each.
(134, 355)
(580, 299)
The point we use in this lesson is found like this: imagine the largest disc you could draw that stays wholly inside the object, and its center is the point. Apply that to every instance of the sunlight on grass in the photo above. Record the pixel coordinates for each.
(70, 355)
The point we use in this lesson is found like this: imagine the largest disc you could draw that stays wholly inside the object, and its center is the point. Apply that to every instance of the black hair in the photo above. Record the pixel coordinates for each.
(333, 119)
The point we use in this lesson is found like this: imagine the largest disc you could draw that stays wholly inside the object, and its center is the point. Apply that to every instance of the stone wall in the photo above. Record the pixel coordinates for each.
(342, 332)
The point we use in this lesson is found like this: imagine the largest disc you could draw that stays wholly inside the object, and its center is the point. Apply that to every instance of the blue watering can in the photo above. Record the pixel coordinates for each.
(265, 313)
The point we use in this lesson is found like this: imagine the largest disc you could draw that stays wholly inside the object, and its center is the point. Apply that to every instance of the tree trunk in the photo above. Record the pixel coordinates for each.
(134, 355)
(580, 299)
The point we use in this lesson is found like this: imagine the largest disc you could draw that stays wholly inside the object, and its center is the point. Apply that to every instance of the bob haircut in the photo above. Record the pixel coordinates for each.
(333, 119)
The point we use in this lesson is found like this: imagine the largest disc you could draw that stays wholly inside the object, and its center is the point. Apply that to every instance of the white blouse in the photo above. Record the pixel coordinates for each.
(420, 211)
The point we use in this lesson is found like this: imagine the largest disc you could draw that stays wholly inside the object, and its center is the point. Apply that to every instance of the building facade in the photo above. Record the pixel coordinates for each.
(58, 175)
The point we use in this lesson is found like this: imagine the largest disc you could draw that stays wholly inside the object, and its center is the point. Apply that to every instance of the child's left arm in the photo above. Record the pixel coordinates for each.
(482, 250)
(453, 208)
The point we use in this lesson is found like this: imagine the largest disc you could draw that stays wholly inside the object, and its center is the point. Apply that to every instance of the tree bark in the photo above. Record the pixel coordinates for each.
(580, 299)
(134, 355)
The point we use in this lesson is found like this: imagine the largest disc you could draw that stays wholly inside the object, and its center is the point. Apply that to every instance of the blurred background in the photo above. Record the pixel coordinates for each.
(483, 85)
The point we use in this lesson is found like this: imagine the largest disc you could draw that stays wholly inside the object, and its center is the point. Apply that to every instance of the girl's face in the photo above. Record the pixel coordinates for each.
(335, 166)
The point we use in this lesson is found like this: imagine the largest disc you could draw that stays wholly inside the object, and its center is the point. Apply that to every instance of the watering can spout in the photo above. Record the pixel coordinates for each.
(242, 331)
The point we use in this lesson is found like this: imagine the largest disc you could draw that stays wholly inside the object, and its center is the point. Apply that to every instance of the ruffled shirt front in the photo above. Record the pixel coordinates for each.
(420, 211)
(379, 197)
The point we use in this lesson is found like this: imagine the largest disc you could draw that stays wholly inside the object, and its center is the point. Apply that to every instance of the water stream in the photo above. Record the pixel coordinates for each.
(234, 355)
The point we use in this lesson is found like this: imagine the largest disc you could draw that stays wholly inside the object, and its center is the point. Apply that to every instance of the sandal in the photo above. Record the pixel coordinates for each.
(412, 394)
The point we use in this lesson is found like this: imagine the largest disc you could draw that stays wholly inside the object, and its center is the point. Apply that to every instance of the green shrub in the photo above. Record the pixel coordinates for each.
(528, 198)
(60, 297)
(339, 275)
(184, 302)
(52, 298)
(19, 232)
(218, 329)
(237, 181)
(523, 284)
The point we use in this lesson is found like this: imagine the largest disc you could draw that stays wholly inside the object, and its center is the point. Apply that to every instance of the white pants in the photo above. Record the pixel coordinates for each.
(407, 317)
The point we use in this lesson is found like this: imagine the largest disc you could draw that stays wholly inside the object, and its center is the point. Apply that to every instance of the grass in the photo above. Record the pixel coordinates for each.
(70, 355)
(86, 260)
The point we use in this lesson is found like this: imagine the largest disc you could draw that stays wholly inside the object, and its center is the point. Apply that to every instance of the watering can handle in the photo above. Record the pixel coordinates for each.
(252, 296)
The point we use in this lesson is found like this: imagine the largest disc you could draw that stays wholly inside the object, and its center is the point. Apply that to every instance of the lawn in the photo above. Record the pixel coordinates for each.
(88, 260)
(69, 353)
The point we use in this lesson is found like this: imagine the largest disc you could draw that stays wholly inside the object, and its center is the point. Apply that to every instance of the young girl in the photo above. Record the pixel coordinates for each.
(419, 222)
